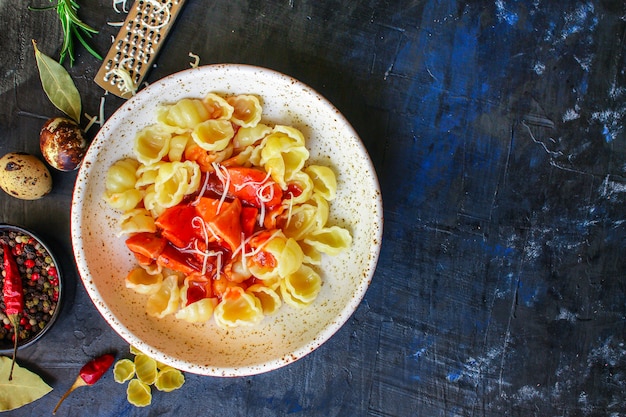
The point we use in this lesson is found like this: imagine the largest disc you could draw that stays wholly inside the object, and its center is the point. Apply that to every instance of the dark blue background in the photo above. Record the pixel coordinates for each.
(496, 129)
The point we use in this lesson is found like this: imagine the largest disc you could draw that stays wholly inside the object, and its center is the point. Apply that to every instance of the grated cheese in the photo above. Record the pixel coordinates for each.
(96, 119)
(123, 3)
(128, 85)
(158, 8)
(202, 190)
(196, 60)
(224, 176)
(206, 254)
(290, 209)
(261, 246)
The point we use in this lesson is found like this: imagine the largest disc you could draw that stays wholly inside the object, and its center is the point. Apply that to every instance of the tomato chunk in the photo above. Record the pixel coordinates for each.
(172, 258)
(227, 224)
(248, 184)
(176, 224)
(248, 220)
(146, 245)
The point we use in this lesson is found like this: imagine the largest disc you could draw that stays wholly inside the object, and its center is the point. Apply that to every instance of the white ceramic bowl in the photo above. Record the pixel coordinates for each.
(103, 260)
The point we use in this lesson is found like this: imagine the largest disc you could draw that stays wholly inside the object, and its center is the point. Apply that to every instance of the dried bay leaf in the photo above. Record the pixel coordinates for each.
(24, 388)
(58, 85)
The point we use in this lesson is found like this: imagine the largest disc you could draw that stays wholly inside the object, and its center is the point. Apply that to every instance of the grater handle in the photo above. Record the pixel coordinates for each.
(137, 45)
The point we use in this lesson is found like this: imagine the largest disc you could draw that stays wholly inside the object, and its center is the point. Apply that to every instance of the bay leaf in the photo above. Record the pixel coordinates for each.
(58, 85)
(24, 388)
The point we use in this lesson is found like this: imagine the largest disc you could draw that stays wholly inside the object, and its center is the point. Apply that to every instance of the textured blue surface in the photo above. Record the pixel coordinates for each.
(496, 130)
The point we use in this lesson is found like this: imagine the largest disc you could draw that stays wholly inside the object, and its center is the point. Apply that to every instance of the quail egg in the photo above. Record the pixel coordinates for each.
(24, 176)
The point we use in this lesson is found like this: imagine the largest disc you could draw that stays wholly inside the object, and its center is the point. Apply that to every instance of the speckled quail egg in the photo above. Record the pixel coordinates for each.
(62, 143)
(24, 176)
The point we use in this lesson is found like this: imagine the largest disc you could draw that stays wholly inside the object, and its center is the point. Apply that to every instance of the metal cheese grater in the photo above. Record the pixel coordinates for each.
(136, 45)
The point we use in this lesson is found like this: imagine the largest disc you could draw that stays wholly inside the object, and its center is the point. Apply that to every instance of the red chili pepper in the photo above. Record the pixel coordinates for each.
(89, 374)
(13, 297)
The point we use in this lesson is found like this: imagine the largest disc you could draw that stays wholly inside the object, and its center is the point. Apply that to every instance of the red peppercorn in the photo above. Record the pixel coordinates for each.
(52, 271)
(23, 321)
(29, 263)
(34, 276)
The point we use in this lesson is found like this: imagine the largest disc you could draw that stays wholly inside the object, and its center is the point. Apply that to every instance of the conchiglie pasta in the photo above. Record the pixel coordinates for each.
(295, 135)
(269, 298)
(146, 369)
(281, 156)
(278, 257)
(311, 255)
(290, 258)
(178, 144)
(152, 144)
(138, 393)
(324, 180)
(249, 156)
(304, 184)
(169, 379)
(302, 287)
(330, 240)
(121, 176)
(197, 312)
(125, 200)
(151, 203)
(146, 174)
(213, 135)
(185, 113)
(176, 180)
(165, 300)
(247, 136)
(142, 282)
(300, 221)
(238, 308)
(120, 192)
(217, 107)
(136, 221)
(322, 210)
(247, 110)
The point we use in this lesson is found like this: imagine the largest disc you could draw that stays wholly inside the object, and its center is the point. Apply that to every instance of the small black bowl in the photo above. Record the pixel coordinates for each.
(41, 282)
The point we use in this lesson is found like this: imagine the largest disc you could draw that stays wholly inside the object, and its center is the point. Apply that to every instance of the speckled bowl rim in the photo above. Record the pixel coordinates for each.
(251, 369)
(57, 311)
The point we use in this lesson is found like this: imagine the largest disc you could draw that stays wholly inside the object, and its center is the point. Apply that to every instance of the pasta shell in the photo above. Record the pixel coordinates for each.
(238, 308)
(166, 300)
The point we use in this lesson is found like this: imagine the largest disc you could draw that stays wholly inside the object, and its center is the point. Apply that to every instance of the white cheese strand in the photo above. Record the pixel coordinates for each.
(224, 177)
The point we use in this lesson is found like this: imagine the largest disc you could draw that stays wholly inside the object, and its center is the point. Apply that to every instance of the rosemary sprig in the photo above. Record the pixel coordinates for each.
(73, 29)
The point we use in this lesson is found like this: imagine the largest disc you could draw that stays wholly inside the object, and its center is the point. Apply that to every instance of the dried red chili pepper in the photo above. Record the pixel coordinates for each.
(89, 374)
(13, 297)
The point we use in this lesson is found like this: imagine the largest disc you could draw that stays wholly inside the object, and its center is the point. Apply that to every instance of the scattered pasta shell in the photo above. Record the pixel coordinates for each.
(146, 369)
(123, 370)
(138, 393)
(169, 379)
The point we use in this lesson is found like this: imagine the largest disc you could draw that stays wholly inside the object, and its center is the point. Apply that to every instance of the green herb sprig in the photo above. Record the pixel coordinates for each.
(73, 29)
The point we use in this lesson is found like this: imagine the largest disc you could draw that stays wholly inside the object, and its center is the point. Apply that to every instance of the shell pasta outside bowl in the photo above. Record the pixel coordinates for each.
(215, 347)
